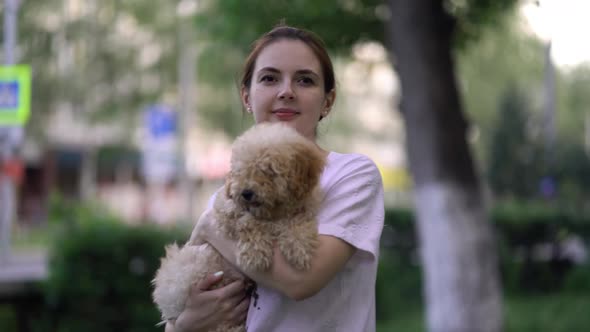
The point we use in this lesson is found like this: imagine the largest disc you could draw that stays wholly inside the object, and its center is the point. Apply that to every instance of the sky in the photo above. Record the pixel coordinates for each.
(566, 23)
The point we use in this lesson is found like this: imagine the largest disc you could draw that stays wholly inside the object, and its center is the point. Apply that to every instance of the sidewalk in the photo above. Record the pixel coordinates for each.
(20, 271)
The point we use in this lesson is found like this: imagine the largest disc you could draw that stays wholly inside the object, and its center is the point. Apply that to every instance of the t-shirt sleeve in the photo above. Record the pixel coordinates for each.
(211, 200)
(353, 207)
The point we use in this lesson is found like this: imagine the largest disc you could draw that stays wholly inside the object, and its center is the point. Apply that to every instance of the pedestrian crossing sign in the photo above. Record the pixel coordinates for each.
(15, 95)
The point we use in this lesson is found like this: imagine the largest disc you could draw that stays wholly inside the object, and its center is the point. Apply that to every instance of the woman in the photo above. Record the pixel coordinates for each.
(288, 77)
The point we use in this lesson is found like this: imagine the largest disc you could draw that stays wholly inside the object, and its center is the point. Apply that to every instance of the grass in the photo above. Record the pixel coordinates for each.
(551, 313)
(7, 318)
(532, 313)
(30, 239)
(406, 320)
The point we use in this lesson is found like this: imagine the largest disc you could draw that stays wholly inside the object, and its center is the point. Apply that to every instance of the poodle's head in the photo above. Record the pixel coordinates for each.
(273, 170)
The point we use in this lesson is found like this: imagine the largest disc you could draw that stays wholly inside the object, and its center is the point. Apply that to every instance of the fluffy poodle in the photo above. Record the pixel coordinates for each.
(270, 199)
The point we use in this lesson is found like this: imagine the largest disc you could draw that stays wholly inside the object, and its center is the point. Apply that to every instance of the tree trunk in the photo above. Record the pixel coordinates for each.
(462, 290)
(87, 183)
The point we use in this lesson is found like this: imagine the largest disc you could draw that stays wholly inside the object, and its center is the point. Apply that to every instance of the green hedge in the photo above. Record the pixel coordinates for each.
(101, 269)
(519, 228)
(100, 273)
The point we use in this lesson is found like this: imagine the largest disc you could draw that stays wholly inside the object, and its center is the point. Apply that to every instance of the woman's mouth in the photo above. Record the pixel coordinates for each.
(284, 114)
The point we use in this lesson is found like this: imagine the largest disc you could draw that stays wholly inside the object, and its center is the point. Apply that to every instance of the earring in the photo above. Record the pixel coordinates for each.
(249, 109)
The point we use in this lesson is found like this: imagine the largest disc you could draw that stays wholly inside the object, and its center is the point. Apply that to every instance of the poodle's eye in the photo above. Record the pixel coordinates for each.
(268, 171)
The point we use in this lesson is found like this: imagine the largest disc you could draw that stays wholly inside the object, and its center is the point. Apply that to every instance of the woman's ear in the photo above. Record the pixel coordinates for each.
(245, 96)
(329, 102)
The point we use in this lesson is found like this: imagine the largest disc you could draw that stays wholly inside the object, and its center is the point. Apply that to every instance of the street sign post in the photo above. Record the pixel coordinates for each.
(15, 94)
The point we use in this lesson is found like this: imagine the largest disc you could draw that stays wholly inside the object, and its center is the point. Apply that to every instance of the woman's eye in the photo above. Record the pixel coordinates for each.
(306, 81)
(267, 78)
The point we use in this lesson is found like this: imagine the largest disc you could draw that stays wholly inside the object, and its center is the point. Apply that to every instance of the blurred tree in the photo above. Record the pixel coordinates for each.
(518, 163)
(96, 61)
(487, 68)
(487, 75)
(515, 159)
(573, 106)
(572, 176)
(96, 58)
(462, 289)
(458, 250)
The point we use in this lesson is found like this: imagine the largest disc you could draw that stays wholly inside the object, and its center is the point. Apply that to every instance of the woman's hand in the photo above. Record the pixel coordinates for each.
(206, 308)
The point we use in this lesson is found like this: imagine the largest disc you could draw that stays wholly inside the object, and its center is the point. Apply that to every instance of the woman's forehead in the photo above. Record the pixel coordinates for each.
(288, 55)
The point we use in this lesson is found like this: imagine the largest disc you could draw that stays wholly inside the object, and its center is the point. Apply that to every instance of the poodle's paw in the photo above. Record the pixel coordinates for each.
(253, 257)
(297, 251)
(298, 255)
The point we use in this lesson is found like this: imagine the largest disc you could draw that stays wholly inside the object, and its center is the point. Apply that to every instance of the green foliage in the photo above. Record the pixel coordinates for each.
(80, 58)
(398, 284)
(341, 23)
(518, 158)
(7, 318)
(487, 69)
(520, 228)
(101, 272)
(513, 156)
(534, 290)
(518, 168)
(578, 280)
(474, 17)
(570, 165)
(488, 75)
(559, 312)
(572, 104)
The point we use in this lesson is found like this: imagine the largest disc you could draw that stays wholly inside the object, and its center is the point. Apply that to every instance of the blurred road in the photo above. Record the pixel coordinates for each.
(20, 270)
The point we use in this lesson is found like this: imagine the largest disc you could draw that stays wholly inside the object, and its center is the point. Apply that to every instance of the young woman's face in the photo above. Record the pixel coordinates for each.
(288, 86)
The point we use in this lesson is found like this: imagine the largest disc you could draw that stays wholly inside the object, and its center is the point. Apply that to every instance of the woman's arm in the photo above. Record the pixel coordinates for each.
(329, 258)
(355, 201)
(169, 327)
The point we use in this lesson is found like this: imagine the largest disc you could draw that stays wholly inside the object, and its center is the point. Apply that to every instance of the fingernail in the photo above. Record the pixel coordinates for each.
(218, 274)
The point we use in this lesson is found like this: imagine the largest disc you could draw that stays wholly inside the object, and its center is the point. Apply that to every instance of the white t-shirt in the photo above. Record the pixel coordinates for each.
(352, 210)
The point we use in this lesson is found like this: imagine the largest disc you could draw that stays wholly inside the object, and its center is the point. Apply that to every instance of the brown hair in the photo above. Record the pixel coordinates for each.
(282, 32)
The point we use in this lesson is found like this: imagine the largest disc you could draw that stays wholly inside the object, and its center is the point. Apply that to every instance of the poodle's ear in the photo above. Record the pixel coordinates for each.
(315, 167)
(310, 162)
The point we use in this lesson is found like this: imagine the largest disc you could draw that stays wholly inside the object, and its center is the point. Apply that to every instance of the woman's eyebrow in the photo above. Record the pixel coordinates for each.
(271, 69)
(307, 72)
(300, 71)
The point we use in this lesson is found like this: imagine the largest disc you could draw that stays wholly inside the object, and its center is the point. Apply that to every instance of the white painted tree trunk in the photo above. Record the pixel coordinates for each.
(461, 284)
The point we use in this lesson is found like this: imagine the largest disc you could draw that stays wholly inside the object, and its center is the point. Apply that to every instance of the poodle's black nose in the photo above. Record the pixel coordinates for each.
(247, 194)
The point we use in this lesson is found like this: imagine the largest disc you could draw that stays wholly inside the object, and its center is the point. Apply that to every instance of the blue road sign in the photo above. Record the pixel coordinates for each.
(160, 121)
(160, 161)
(8, 96)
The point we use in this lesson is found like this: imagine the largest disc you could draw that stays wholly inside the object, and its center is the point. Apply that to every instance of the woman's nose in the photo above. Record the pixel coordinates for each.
(286, 92)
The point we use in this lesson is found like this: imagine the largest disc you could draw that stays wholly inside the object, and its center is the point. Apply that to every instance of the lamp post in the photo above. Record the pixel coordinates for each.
(186, 9)
(540, 20)
(7, 187)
